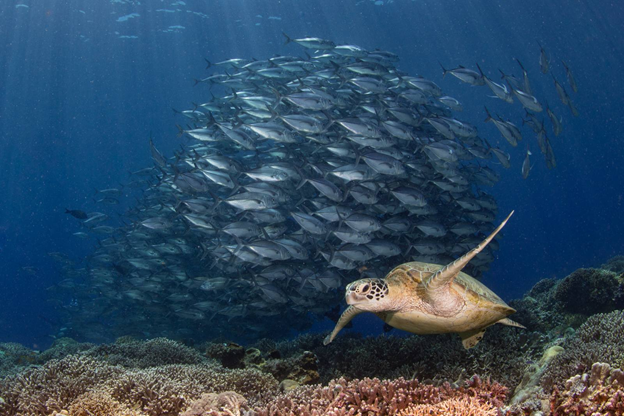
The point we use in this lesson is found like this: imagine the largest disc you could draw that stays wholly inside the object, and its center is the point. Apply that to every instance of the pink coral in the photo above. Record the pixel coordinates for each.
(598, 393)
(457, 406)
(376, 397)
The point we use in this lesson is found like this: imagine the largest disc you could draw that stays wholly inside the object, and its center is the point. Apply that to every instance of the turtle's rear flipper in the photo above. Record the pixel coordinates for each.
(509, 322)
(472, 338)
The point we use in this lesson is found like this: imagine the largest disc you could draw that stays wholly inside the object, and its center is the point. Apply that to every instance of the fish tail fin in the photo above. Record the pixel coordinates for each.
(444, 70)
(489, 116)
(288, 38)
(208, 63)
(180, 131)
(480, 71)
(303, 182)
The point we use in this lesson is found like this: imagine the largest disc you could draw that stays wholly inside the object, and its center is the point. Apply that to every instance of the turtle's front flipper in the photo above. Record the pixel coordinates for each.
(345, 318)
(472, 338)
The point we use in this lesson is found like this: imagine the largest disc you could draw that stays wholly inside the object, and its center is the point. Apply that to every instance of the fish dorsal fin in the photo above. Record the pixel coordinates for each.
(445, 276)
(345, 318)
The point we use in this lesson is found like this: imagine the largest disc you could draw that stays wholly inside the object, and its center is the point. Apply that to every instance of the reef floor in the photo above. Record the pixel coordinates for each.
(568, 361)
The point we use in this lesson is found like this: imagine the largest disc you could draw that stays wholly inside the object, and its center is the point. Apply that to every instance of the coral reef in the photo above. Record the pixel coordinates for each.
(589, 291)
(161, 390)
(228, 403)
(600, 392)
(551, 368)
(555, 305)
(599, 339)
(62, 347)
(502, 355)
(615, 265)
(457, 406)
(229, 354)
(144, 354)
(376, 397)
(15, 356)
(99, 403)
(303, 368)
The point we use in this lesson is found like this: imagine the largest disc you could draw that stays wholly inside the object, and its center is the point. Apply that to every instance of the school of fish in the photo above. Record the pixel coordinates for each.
(300, 175)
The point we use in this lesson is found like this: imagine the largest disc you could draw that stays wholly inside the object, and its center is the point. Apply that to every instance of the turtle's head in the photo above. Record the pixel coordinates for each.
(367, 294)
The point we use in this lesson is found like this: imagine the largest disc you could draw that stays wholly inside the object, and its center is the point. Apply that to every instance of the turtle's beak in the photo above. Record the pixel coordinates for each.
(351, 297)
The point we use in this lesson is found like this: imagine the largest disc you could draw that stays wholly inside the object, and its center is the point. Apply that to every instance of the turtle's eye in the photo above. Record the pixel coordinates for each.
(366, 287)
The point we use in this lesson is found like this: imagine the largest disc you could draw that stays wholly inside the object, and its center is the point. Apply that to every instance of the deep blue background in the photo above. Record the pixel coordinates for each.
(77, 103)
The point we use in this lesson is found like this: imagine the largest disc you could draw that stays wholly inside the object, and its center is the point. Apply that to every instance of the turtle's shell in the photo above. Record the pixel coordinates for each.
(409, 277)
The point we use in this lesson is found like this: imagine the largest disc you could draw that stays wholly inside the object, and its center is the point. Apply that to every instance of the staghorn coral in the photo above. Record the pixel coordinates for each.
(600, 392)
(599, 339)
(457, 406)
(52, 387)
(143, 354)
(375, 397)
(59, 385)
(100, 403)
(14, 357)
(62, 347)
(228, 403)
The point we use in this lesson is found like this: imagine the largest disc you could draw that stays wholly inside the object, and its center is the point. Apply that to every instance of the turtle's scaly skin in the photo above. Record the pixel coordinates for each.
(425, 298)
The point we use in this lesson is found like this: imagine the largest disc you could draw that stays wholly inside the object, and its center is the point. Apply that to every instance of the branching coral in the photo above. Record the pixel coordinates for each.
(379, 398)
(100, 403)
(14, 356)
(143, 354)
(52, 387)
(601, 392)
(165, 390)
(457, 406)
(228, 403)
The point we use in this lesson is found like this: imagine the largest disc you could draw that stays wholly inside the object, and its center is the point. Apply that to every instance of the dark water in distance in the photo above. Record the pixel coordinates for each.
(82, 85)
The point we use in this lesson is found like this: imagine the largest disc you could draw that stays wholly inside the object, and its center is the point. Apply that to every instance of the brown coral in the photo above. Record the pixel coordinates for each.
(600, 392)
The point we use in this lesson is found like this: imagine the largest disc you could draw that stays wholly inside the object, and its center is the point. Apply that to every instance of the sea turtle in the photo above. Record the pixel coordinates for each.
(425, 298)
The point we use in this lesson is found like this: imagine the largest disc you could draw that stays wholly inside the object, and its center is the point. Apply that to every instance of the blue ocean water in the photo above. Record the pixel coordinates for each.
(82, 85)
